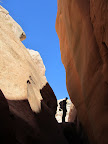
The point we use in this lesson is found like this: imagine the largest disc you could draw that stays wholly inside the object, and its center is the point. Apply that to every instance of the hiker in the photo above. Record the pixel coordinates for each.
(63, 107)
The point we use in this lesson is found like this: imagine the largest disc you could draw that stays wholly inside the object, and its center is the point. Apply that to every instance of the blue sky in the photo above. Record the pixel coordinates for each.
(37, 18)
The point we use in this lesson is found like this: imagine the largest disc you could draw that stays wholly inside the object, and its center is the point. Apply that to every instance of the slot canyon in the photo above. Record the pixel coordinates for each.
(29, 109)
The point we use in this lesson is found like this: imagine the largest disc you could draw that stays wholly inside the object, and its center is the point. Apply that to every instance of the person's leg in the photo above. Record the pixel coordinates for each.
(63, 117)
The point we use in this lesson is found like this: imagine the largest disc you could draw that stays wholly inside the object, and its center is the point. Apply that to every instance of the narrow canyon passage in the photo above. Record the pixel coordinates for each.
(30, 111)
(27, 102)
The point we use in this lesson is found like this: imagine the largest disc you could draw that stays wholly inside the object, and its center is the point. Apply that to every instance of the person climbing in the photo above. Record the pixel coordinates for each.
(63, 107)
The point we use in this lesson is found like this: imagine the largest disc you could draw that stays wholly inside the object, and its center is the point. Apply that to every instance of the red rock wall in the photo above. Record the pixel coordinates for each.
(82, 28)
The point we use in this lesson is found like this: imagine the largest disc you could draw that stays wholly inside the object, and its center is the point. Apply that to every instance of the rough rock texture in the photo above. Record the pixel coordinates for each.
(15, 27)
(99, 19)
(59, 112)
(82, 28)
(20, 78)
(38, 60)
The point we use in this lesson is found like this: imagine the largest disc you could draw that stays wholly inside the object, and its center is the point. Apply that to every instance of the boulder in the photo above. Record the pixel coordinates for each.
(82, 28)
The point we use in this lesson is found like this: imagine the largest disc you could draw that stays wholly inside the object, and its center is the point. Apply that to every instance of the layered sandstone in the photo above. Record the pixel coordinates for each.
(82, 28)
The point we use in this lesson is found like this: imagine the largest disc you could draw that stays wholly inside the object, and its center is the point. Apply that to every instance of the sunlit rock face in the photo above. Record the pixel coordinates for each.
(20, 77)
(82, 28)
(38, 61)
(46, 91)
(59, 112)
(14, 26)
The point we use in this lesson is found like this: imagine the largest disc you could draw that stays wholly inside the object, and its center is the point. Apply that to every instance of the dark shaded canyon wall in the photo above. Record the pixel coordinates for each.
(49, 97)
(20, 125)
(82, 28)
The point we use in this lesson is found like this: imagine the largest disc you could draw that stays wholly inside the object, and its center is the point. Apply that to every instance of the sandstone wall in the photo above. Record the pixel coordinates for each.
(38, 61)
(72, 114)
(82, 28)
(22, 72)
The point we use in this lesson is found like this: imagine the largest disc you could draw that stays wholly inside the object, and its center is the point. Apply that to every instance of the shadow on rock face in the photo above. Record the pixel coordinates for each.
(72, 135)
(50, 130)
(49, 97)
(19, 124)
(7, 125)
